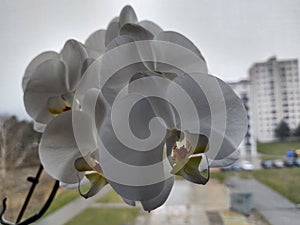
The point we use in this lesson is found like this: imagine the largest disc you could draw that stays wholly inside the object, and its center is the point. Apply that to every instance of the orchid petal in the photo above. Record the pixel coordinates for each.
(236, 126)
(189, 169)
(82, 165)
(87, 62)
(73, 55)
(129, 202)
(155, 86)
(120, 78)
(35, 63)
(97, 182)
(230, 159)
(136, 31)
(191, 172)
(160, 199)
(220, 113)
(115, 128)
(126, 158)
(48, 80)
(169, 59)
(118, 41)
(95, 105)
(198, 143)
(39, 127)
(59, 150)
(83, 182)
(132, 32)
(88, 163)
(152, 27)
(94, 54)
(127, 15)
(96, 42)
(138, 193)
(177, 38)
(112, 31)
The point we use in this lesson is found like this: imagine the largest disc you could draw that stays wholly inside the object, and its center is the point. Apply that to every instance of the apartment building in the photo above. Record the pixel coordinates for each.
(275, 96)
(248, 146)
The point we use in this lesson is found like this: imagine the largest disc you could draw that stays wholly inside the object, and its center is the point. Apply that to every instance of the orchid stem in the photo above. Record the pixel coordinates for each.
(35, 217)
(34, 181)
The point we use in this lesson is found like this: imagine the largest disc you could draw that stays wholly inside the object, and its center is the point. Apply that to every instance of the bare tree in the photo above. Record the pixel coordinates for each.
(15, 143)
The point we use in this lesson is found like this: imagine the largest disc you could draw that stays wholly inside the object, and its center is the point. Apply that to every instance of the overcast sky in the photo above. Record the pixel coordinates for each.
(231, 34)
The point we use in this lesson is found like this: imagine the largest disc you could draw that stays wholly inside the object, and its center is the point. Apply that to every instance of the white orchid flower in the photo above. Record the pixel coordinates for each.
(186, 163)
(192, 139)
(59, 152)
(60, 155)
(50, 81)
(155, 113)
(125, 23)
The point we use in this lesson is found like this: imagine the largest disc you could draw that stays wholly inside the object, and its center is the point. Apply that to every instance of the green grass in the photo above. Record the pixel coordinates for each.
(110, 197)
(285, 181)
(106, 216)
(222, 176)
(62, 199)
(276, 149)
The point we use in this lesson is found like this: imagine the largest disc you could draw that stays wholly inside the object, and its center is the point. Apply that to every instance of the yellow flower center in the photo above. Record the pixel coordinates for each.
(59, 104)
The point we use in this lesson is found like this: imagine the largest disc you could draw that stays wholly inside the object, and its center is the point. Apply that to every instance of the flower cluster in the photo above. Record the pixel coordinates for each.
(131, 107)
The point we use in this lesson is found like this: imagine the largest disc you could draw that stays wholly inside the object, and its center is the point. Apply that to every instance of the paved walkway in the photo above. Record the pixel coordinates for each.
(273, 206)
(194, 204)
(71, 210)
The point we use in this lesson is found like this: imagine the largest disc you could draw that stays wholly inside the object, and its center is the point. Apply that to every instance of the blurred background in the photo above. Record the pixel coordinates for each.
(252, 45)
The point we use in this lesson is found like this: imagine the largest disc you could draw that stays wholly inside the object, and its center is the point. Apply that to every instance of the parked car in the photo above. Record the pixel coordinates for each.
(297, 162)
(289, 163)
(267, 164)
(246, 165)
(236, 167)
(278, 163)
(227, 168)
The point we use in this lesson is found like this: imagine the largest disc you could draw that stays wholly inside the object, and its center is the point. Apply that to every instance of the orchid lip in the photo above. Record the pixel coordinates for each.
(60, 104)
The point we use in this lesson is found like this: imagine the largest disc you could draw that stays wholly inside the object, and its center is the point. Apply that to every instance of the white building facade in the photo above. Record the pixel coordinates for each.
(275, 96)
(248, 146)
